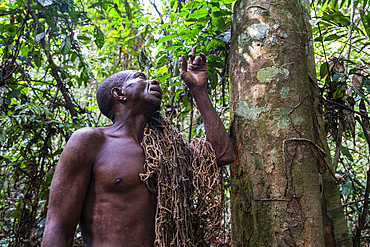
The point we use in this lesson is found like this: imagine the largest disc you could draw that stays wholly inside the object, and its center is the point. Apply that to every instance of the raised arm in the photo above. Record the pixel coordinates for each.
(194, 75)
(68, 188)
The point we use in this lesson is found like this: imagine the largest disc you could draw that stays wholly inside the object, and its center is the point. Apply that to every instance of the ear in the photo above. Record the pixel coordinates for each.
(118, 93)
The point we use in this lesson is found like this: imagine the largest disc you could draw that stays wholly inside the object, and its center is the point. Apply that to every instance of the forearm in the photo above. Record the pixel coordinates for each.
(215, 131)
(56, 237)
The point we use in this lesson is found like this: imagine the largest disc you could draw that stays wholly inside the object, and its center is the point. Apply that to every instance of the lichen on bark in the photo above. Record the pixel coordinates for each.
(282, 194)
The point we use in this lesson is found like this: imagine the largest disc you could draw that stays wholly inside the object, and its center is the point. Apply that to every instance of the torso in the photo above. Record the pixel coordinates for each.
(118, 210)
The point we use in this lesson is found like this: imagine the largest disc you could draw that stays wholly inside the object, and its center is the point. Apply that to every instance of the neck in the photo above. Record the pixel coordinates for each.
(126, 124)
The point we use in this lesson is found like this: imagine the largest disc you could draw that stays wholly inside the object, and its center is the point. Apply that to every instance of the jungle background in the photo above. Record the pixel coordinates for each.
(54, 53)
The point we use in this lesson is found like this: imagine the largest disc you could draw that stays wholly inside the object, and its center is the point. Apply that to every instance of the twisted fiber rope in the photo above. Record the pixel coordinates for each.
(187, 184)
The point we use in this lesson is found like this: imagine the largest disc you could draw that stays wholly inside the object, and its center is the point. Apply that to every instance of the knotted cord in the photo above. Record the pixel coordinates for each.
(187, 184)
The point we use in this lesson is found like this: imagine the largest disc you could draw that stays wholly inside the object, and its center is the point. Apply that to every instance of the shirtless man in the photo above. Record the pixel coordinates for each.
(96, 182)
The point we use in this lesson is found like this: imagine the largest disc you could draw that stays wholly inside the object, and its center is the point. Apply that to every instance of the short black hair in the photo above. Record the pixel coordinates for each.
(103, 94)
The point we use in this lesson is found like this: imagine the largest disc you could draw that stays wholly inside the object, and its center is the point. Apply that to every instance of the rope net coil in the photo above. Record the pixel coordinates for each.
(187, 184)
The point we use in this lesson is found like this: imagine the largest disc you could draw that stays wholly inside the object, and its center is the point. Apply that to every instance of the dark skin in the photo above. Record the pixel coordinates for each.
(96, 182)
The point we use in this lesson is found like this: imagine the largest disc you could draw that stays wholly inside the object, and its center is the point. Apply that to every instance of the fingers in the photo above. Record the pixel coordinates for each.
(194, 50)
(192, 54)
(184, 64)
(204, 59)
(196, 60)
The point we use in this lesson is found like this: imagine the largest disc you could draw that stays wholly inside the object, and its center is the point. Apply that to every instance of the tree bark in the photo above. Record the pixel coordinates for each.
(283, 190)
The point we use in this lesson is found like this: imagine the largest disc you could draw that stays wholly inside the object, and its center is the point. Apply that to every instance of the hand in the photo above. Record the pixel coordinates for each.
(194, 73)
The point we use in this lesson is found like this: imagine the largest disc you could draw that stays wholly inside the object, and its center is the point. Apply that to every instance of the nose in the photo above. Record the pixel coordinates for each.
(154, 82)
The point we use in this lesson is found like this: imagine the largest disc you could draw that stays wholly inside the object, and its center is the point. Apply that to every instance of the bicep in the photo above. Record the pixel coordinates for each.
(70, 183)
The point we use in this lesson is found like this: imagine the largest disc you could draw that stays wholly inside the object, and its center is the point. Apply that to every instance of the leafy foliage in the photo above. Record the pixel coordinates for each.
(342, 38)
(54, 52)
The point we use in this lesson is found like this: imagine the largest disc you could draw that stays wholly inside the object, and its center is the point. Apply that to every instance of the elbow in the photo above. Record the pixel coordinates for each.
(57, 236)
(226, 159)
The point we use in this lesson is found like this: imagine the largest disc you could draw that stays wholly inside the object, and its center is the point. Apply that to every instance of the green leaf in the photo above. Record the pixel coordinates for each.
(66, 46)
(165, 25)
(37, 61)
(216, 64)
(128, 10)
(63, 73)
(172, 47)
(221, 13)
(332, 37)
(15, 93)
(168, 38)
(83, 37)
(175, 81)
(228, 1)
(199, 13)
(74, 56)
(345, 151)
(185, 37)
(163, 78)
(337, 76)
(366, 22)
(219, 23)
(192, 5)
(346, 188)
(86, 40)
(338, 94)
(334, 4)
(366, 83)
(162, 70)
(324, 68)
(318, 39)
(99, 37)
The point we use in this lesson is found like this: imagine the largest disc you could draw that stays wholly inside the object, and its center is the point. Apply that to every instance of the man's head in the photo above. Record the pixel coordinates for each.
(125, 86)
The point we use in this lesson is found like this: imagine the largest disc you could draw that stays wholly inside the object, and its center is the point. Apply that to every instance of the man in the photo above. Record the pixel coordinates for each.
(97, 183)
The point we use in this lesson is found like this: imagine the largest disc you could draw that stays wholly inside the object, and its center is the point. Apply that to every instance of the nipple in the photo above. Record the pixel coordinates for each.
(117, 180)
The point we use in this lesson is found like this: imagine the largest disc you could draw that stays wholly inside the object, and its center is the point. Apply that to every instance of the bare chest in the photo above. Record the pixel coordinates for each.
(118, 166)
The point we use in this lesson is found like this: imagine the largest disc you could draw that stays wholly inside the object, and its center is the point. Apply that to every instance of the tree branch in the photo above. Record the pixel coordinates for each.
(156, 9)
(54, 72)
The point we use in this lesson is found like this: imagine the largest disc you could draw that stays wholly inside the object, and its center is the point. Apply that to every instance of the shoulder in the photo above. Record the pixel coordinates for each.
(87, 134)
(82, 147)
(86, 139)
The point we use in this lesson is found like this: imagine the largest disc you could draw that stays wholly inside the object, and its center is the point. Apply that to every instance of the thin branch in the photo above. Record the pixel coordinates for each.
(290, 117)
(349, 37)
(156, 9)
(346, 107)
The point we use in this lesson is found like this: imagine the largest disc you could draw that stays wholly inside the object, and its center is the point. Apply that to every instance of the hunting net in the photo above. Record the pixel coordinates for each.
(187, 184)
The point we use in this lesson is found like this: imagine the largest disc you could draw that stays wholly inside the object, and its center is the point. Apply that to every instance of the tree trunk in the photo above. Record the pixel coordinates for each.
(283, 190)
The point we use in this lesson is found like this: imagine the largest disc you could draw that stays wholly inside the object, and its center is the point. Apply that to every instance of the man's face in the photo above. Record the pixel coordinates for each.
(139, 90)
